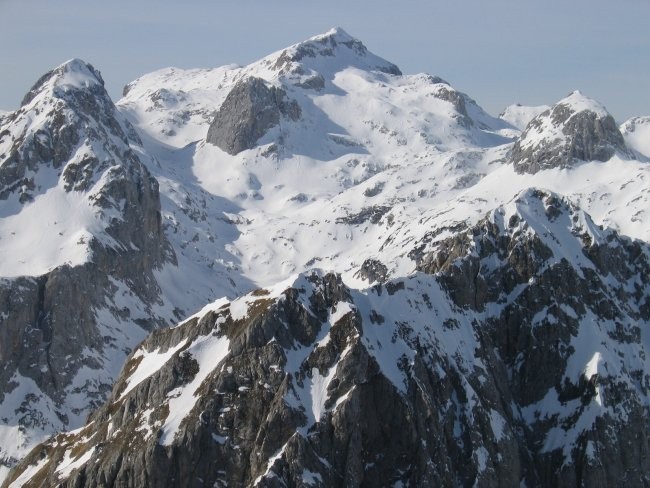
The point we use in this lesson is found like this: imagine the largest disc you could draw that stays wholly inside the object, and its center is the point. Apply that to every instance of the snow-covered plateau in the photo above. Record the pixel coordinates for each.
(315, 270)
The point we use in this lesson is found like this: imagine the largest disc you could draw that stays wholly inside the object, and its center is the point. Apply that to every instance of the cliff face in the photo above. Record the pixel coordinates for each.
(72, 309)
(517, 355)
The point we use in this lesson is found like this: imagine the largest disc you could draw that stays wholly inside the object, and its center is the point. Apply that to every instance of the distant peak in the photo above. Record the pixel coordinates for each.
(579, 102)
(336, 33)
(74, 73)
(335, 44)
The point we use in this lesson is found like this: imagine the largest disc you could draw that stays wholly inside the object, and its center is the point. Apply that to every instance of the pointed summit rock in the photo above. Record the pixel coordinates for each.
(577, 128)
(73, 74)
(66, 121)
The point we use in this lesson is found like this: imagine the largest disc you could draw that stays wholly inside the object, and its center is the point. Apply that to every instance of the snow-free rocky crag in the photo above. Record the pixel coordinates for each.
(481, 317)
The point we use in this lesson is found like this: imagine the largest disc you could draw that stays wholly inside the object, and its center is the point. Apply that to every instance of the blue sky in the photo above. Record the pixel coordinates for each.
(498, 51)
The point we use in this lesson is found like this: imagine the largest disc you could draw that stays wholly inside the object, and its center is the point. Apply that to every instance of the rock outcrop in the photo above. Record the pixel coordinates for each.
(248, 112)
(575, 129)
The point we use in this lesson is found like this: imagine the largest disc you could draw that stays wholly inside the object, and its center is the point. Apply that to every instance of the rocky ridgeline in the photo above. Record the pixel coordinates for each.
(575, 129)
(64, 334)
(516, 356)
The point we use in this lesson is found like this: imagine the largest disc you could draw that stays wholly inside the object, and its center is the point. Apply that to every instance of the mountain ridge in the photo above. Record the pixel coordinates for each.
(318, 351)
(375, 176)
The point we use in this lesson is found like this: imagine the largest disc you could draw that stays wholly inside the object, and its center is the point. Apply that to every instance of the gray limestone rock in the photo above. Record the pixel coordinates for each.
(248, 112)
(575, 129)
(373, 270)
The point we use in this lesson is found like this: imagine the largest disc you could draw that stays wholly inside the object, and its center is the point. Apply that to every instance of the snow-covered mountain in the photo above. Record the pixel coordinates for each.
(519, 115)
(80, 237)
(636, 132)
(322, 155)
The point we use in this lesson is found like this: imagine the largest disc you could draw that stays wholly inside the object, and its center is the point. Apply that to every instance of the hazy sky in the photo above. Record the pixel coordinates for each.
(497, 51)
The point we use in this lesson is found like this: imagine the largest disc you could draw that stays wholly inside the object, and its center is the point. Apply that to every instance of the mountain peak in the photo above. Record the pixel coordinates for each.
(336, 33)
(579, 102)
(74, 73)
(577, 128)
(328, 52)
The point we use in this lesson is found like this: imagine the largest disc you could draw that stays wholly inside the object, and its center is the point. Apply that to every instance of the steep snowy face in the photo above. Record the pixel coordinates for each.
(511, 358)
(63, 158)
(80, 238)
(636, 133)
(577, 128)
(520, 115)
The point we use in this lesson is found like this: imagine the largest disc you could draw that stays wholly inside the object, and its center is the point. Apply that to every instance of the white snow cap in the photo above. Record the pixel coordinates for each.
(74, 73)
(329, 52)
(519, 115)
(578, 102)
(78, 73)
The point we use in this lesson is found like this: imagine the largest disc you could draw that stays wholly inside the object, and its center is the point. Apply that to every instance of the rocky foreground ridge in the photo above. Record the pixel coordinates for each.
(517, 355)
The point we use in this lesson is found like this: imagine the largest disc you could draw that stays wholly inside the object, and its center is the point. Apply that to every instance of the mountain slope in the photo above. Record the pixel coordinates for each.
(81, 236)
(636, 132)
(519, 115)
(519, 377)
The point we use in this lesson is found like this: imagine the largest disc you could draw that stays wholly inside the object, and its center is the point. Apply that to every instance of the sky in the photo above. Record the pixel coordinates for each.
(498, 51)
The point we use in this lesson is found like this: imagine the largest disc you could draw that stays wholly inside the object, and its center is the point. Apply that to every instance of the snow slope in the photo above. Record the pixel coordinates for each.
(519, 115)
(373, 152)
(636, 132)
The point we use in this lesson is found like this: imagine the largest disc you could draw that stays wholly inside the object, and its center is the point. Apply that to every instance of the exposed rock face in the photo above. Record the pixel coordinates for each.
(536, 292)
(513, 359)
(575, 129)
(373, 270)
(248, 112)
(64, 333)
(457, 100)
